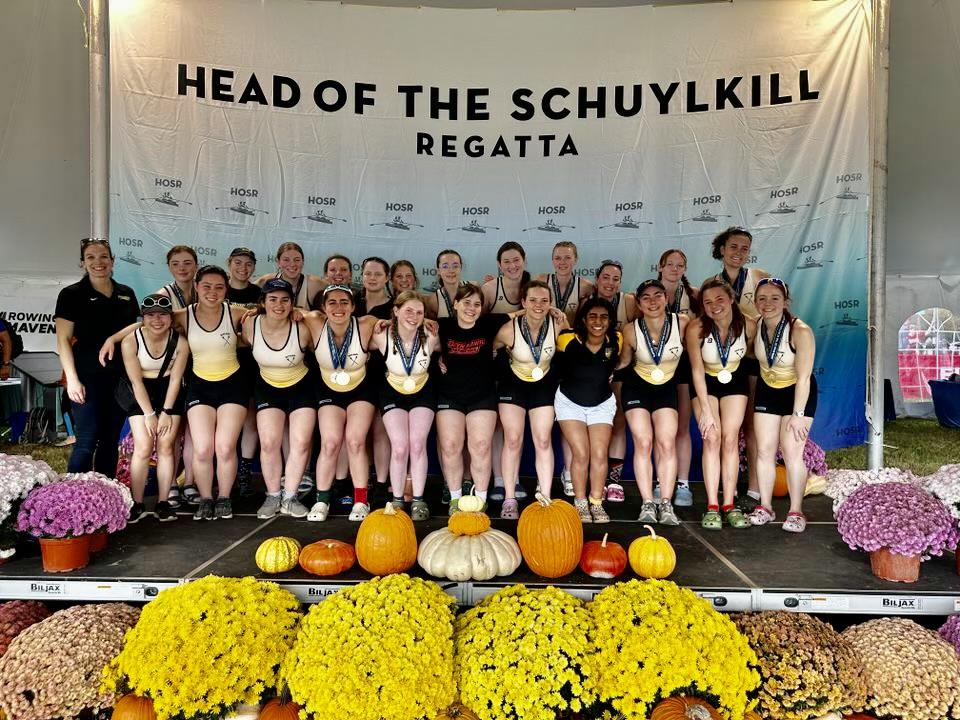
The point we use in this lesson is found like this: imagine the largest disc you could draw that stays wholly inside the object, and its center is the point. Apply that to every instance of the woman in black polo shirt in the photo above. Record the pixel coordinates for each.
(89, 312)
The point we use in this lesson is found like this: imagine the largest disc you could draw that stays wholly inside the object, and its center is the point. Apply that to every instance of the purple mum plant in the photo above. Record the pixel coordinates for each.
(814, 458)
(72, 508)
(950, 631)
(899, 516)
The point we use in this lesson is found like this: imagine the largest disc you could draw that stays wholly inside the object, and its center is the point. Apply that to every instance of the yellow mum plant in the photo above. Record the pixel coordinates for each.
(525, 655)
(807, 668)
(381, 650)
(655, 640)
(202, 648)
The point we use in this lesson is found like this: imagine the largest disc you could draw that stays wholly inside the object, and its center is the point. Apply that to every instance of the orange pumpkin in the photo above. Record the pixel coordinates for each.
(550, 536)
(279, 709)
(780, 486)
(752, 715)
(859, 716)
(386, 542)
(601, 559)
(327, 557)
(684, 708)
(134, 707)
(457, 712)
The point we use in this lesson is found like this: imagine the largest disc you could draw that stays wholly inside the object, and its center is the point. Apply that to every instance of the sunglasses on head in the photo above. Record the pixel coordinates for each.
(94, 241)
(344, 288)
(161, 301)
(614, 263)
(773, 281)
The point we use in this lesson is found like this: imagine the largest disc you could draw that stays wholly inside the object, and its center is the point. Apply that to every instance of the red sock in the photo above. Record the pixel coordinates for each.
(727, 508)
(713, 507)
(360, 495)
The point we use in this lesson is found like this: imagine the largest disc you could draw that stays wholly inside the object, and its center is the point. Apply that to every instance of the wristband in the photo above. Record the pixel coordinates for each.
(799, 413)
(149, 414)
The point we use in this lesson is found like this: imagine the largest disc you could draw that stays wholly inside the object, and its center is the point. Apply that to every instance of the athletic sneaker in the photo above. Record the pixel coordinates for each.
(270, 507)
(204, 510)
(445, 495)
(358, 513)
(173, 497)
(615, 493)
(510, 510)
(319, 512)
(137, 513)
(567, 482)
(454, 506)
(582, 506)
(666, 514)
(419, 511)
(497, 491)
(222, 509)
(191, 496)
(164, 512)
(648, 512)
(683, 497)
(293, 507)
(598, 514)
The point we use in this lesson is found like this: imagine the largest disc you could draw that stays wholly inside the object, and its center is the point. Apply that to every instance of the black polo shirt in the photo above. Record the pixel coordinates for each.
(95, 317)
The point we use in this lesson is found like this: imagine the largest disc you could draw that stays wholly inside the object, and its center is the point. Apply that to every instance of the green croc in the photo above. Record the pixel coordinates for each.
(736, 519)
(711, 520)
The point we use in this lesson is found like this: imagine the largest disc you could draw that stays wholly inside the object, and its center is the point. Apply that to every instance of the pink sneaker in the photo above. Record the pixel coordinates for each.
(615, 493)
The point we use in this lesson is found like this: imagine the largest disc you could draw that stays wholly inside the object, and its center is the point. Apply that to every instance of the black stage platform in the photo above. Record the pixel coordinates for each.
(753, 569)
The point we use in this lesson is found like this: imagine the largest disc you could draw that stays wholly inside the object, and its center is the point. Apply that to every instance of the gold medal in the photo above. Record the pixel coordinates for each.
(657, 375)
(724, 376)
(537, 374)
(341, 378)
(409, 385)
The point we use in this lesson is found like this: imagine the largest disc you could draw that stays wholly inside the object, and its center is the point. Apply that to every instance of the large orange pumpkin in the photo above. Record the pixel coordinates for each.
(386, 542)
(752, 715)
(550, 536)
(327, 557)
(277, 709)
(653, 556)
(134, 707)
(684, 708)
(602, 559)
(780, 486)
(859, 716)
(457, 712)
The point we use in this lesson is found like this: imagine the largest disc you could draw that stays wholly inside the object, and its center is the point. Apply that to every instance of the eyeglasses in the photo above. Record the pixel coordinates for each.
(160, 301)
(773, 281)
(450, 266)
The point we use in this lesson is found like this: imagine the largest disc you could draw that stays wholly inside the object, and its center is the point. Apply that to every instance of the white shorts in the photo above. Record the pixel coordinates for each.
(602, 414)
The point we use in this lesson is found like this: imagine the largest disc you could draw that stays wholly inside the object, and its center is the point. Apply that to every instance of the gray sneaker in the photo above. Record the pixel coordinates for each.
(582, 506)
(270, 507)
(222, 509)
(667, 515)
(598, 514)
(419, 511)
(293, 507)
(648, 512)
(683, 497)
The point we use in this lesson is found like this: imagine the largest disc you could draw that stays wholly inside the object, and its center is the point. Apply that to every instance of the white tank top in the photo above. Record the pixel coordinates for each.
(280, 367)
(710, 354)
(397, 373)
(177, 298)
(214, 351)
(522, 362)
(444, 303)
(355, 360)
(300, 291)
(150, 365)
(620, 307)
(501, 304)
(643, 364)
(680, 302)
(745, 300)
(567, 301)
(783, 372)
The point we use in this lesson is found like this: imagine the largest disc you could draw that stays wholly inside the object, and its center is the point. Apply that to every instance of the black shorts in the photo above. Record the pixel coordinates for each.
(738, 385)
(214, 393)
(466, 405)
(638, 394)
(684, 373)
(248, 366)
(779, 401)
(511, 390)
(157, 390)
(390, 399)
(366, 391)
(751, 365)
(301, 394)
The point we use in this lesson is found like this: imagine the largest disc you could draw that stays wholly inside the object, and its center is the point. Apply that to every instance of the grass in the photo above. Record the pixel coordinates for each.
(911, 443)
(55, 457)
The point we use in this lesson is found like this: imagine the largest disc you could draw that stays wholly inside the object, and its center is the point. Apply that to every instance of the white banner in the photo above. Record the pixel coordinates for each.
(28, 305)
(400, 132)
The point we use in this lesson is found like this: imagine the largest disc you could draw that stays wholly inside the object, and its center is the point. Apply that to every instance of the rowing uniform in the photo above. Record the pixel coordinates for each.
(650, 385)
(284, 382)
(501, 303)
(680, 302)
(300, 290)
(343, 378)
(177, 299)
(619, 303)
(528, 380)
(150, 370)
(214, 377)
(568, 301)
(470, 382)
(407, 388)
(777, 383)
(584, 393)
(744, 288)
(444, 303)
(738, 383)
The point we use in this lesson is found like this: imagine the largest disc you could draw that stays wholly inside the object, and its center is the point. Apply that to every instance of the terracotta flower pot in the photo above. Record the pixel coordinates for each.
(63, 554)
(896, 568)
(98, 541)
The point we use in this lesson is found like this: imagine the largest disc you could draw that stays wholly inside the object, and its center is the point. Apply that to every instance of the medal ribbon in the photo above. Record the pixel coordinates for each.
(677, 298)
(562, 301)
(179, 293)
(447, 301)
(723, 349)
(664, 336)
(535, 349)
(773, 347)
(407, 361)
(339, 355)
(738, 283)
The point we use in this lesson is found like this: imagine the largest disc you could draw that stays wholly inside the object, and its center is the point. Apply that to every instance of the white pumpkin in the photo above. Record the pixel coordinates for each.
(816, 484)
(468, 557)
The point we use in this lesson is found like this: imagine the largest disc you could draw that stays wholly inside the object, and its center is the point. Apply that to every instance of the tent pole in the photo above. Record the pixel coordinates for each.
(99, 42)
(879, 88)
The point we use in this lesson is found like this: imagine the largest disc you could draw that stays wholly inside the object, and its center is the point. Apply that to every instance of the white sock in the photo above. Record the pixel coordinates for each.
(274, 494)
(456, 494)
(482, 494)
(754, 494)
(287, 494)
(683, 482)
(498, 482)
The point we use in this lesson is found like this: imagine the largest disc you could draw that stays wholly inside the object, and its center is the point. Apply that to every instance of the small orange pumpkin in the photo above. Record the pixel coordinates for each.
(457, 712)
(470, 518)
(684, 708)
(327, 557)
(280, 709)
(386, 542)
(780, 486)
(859, 716)
(550, 536)
(134, 707)
(601, 559)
